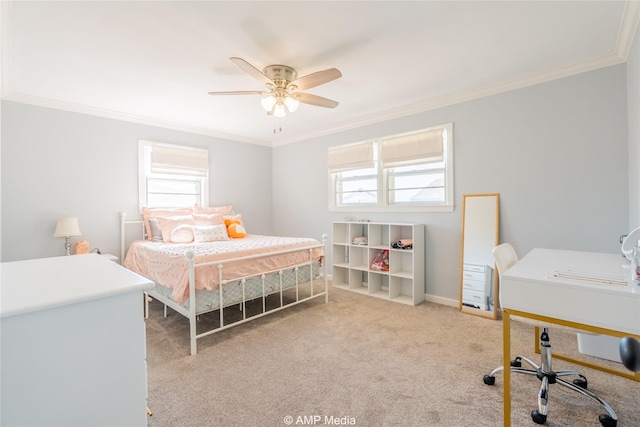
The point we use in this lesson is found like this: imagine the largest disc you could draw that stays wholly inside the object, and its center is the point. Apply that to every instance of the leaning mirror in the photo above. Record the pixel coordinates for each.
(478, 278)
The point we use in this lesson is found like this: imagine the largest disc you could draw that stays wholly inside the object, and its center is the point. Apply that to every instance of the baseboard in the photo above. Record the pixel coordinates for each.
(441, 300)
(429, 298)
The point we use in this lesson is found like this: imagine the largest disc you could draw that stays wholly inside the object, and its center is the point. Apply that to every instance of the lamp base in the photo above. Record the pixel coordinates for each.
(67, 245)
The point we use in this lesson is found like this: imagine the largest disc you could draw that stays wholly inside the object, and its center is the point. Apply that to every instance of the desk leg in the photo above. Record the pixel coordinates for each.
(506, 355)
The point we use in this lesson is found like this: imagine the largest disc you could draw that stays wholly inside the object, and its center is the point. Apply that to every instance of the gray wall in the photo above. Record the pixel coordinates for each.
(57, 163)
(556, 153)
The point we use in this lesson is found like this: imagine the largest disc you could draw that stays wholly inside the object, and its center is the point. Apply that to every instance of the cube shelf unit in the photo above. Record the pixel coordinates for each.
(403, 283)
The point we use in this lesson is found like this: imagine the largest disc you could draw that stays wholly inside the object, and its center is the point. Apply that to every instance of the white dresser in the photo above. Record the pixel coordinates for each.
(73, 343)
(476, 285)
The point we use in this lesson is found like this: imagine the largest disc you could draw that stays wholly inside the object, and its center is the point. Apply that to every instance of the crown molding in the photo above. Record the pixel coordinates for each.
(5, 26)
(629, 24)
(436, 103)
(116, 115)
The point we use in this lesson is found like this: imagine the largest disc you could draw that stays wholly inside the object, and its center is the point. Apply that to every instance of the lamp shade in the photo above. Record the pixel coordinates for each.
(279, 111)
(291, 103)
(67, 226)
(268, 102)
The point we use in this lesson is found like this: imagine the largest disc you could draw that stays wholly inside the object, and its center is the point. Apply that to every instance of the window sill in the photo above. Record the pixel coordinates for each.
(439, 208)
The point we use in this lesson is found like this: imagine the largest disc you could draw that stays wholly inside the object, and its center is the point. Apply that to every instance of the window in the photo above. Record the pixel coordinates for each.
(172, 175)
(412, 171)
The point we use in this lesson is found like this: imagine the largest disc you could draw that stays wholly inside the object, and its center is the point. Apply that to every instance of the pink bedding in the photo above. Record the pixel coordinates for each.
(167, 264)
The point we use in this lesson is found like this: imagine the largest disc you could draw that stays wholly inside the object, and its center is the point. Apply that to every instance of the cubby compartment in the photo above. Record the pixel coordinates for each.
(358, 229)
(402, 281)
(340, 276)
(401, 290)
(358, 281)
(379, 236)
(341, 234)
(340, 255)
(359, 257)
(401, 262)
(401, 232)
(379, 285)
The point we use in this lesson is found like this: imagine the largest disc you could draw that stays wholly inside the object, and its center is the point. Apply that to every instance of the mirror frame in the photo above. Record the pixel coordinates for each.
(492, 314)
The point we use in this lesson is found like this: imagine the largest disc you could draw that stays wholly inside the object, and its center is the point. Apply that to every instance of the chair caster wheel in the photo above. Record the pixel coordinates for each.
(537, 417)
(581, 382)
(489, 380)
(607, 421)
(516, 363)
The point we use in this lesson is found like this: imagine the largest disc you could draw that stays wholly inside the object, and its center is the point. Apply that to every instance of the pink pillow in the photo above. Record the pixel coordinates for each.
(209, 233)
(169, 223)
(148, 213)
(208, 219)
(226, 209)
(182, 234)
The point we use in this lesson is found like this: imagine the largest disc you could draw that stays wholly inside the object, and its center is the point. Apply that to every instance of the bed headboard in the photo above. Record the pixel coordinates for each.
(123, 236)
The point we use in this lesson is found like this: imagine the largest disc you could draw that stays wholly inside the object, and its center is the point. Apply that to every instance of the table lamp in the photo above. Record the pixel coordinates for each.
(67, 227)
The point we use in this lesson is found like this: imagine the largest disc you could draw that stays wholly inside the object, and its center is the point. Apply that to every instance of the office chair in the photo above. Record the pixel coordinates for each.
(630, 353)
(505, 257)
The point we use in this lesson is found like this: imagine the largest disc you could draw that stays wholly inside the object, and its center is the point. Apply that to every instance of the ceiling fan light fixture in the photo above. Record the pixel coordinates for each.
(279, 111)
(291, 103)
(268, 102)
(283, 84)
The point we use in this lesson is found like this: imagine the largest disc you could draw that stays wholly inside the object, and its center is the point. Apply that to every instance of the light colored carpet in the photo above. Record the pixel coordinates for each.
(363, 361)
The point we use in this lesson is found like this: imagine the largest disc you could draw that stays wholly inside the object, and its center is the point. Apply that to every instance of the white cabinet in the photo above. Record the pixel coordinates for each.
(357, 244)
(73, 343)
(476, 285)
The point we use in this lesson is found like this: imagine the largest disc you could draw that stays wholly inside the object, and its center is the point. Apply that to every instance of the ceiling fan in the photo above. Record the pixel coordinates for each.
(283, 85)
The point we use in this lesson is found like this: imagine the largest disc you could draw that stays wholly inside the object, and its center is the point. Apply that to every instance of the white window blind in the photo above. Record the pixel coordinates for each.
(401, 172)
(172, 175)
(411, 149)
(350, 157)
(174, 160)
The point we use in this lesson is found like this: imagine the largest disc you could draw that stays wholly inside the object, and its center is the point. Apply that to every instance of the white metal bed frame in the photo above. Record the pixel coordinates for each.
(191, 314)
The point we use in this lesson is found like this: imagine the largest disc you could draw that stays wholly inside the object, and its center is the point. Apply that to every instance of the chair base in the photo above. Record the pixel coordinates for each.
(547, 376)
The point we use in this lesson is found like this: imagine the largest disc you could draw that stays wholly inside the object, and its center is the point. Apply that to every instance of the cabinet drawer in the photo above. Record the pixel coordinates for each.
(473, 297)
(475, 268)
(473, 285)
(473, 275)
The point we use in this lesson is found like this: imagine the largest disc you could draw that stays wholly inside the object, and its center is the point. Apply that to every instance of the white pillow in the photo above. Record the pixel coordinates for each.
(210, 233)
(182, 234)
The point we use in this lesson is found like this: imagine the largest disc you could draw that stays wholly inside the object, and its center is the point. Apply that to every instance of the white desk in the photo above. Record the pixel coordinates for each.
(73, 343)
(600, 297)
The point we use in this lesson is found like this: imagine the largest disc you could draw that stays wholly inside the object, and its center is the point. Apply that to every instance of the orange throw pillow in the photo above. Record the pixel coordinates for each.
(235, 229)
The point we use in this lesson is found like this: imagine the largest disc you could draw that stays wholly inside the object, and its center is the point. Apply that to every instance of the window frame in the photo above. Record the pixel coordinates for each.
(144, 173)
(382, 204)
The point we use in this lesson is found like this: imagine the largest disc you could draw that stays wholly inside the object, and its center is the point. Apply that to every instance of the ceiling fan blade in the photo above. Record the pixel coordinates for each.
(307, 98)
(240, 92)
(251, 70)
(316, 79)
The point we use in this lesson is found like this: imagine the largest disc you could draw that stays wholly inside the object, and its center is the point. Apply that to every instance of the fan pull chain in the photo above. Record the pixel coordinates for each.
(277, 127)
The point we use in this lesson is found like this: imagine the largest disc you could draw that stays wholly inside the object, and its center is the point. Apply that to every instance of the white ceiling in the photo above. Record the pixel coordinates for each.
(154, 62)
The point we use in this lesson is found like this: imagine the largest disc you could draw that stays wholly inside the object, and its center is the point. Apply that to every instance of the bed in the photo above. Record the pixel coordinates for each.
(196, 275)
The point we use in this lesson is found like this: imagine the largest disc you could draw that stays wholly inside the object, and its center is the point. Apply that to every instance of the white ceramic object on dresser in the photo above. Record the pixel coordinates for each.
(403, 283)
(73, 343)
